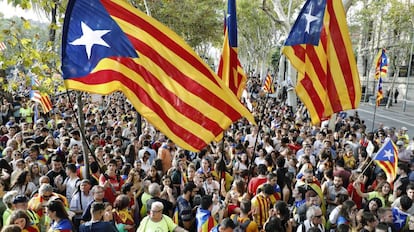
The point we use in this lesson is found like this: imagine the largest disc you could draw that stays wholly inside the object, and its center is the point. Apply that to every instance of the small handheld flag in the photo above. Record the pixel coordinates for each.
(387, 159)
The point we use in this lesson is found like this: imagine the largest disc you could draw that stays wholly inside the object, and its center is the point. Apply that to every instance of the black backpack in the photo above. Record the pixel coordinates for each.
(240, 227)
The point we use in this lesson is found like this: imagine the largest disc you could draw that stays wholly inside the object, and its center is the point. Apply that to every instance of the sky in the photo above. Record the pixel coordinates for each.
(9, 11)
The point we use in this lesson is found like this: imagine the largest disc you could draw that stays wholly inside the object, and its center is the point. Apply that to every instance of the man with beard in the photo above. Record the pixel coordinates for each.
(333, 191)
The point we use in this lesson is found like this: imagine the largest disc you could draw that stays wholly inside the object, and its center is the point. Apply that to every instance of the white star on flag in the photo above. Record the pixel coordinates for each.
(388, 154)
(309, 19)
(90, 38)
(399, 220)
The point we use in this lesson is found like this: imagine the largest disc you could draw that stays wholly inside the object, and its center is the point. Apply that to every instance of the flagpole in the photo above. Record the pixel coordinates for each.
(375, 106)
(80, 122)
(259, 127)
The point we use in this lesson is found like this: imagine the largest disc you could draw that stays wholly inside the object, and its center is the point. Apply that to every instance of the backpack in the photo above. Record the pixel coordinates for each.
(240, 227)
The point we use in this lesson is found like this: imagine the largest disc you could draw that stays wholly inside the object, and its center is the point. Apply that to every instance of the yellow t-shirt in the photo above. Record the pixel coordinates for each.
(147, 225)
(251, 227)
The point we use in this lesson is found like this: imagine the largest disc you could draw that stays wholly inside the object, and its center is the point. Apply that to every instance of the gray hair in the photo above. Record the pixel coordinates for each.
(154, 189)
(96, 188)
(311, 212)
(45, 188)
(157, 205)
(9, 197)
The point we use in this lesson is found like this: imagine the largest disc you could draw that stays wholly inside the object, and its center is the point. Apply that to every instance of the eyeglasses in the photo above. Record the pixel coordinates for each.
(47, 197)
(318, 216)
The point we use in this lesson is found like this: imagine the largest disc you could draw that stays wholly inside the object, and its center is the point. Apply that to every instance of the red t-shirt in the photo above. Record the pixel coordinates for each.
(116, 182)
(254, 183)
(354, 195)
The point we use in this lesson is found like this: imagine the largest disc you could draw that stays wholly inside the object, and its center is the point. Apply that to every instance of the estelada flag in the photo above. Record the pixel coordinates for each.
(110, 46)
(320, 49)
(230, 69)
(387, 159)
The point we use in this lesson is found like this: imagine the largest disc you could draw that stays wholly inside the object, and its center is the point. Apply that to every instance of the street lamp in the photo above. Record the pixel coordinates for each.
(409, 71)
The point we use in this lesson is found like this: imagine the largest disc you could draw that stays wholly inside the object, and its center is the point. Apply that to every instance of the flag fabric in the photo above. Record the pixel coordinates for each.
(320, 49)
(3, 46)
(43, 99)
(230, 69)
(205, 222)
(110, 46)
(380, 95)
(387, 159)
(400, 219)
(35, 81)
(268, 85)
(381, 64)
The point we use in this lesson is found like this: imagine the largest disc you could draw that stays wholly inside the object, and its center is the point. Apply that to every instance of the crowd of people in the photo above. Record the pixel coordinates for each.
(282, 174)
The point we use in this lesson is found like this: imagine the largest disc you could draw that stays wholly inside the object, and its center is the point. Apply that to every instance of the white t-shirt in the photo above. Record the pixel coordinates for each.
(71, 186)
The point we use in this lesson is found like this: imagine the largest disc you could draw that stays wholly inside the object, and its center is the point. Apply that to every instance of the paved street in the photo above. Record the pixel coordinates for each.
(394, 116)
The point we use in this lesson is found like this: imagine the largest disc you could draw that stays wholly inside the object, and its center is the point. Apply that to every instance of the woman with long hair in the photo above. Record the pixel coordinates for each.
(50, 143)
(234, 195)
(241, 164)
(383, 192)
(153, 175)
(21, 219)
(23, 185)
(347, 214)
(20, 142)
(135, 179)
(60, 218)
(373, 205)
(34, 173)
(167, 186)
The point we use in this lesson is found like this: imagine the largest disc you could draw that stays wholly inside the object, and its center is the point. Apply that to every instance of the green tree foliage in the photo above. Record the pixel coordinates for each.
(28, 53)
(200, 23)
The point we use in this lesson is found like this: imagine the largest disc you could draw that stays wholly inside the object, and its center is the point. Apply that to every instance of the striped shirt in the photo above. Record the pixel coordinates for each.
(262, 205)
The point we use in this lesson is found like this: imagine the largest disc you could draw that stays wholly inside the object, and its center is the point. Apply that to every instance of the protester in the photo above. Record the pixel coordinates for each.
(157, 221)
(307, 167)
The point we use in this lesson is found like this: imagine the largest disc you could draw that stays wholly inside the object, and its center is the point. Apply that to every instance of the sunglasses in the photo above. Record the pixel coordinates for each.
(318, 216)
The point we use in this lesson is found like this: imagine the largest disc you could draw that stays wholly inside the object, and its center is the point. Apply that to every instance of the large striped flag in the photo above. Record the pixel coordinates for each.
(3, 46)
(42, 98)
(387, 159)
(109, 46)
(381, 64)
(230, 69)
(268, 86)
(320, 49)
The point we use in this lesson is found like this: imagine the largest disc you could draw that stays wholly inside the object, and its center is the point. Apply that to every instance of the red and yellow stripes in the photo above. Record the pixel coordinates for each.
(168, 84)
(328, 79)
(230, 69)
(268, 85)
(389, 167)
(46, 102)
